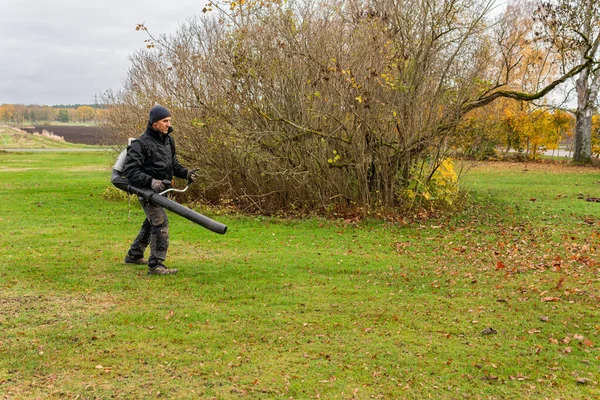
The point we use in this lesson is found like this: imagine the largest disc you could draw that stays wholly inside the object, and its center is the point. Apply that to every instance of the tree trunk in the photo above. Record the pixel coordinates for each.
(586, 95)
(583, 144)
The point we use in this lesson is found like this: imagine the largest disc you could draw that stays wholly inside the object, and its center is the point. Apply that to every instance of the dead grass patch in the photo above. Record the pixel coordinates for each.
(3, 169)
(50, 309)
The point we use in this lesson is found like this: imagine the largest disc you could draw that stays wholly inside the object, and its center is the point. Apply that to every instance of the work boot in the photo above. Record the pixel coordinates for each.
(131, 260)
(161, 269)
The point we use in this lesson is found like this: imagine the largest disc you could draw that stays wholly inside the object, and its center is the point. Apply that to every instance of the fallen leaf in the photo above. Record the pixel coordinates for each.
(489, 331)
(550, 298)
(519, 377)
(490, 377)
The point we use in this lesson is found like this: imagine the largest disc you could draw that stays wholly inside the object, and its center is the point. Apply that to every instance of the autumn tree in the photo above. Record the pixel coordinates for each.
(42, 114)
(514, 125)
(521, 124)
(563, 125)
(19, 114)
(572, 27)
(596, 135)
(7, 111)
(485, 133)
(85, 113)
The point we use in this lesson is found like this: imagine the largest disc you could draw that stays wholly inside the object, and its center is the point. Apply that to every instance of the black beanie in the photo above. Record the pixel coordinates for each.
(157, 113)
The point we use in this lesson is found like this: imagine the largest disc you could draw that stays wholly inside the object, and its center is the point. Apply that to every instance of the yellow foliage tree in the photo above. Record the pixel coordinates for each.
(7, 112)
(596, 135)
(514, 125)
(85, 114)
(540, 129)
(563, 123)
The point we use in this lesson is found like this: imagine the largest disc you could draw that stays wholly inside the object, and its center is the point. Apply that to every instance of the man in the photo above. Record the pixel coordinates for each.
(150, 160)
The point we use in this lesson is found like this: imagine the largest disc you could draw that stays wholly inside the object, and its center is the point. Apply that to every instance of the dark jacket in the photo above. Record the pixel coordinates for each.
(152, 156)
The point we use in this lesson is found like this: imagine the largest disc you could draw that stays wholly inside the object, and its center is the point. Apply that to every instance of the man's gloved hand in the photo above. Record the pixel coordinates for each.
(191, 175)
(157, 185)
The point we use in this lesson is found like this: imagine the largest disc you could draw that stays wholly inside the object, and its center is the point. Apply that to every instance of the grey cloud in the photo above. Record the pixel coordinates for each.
(68, 51)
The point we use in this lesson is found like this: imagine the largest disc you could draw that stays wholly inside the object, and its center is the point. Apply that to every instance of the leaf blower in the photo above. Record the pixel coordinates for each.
(159, 200)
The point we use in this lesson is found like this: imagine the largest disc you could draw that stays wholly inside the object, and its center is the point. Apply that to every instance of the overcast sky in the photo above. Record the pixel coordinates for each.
(68, 51)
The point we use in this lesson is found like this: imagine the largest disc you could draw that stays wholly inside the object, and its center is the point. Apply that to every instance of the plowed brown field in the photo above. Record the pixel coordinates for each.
(76, 134)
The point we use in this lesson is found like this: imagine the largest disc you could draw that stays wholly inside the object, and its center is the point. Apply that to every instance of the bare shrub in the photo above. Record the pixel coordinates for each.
(327, 105)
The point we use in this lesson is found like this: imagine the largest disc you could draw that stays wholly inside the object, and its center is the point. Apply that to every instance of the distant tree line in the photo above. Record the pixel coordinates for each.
(95, 106)
(20, 115)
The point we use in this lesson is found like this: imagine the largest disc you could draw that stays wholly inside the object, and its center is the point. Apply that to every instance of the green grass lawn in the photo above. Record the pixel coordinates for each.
(300, 309)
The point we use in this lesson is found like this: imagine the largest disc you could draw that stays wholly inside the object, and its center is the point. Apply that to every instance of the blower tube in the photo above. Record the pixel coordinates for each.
(158, 200)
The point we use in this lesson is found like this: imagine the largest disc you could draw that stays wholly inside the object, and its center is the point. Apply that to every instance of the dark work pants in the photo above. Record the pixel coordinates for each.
(154, 232)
